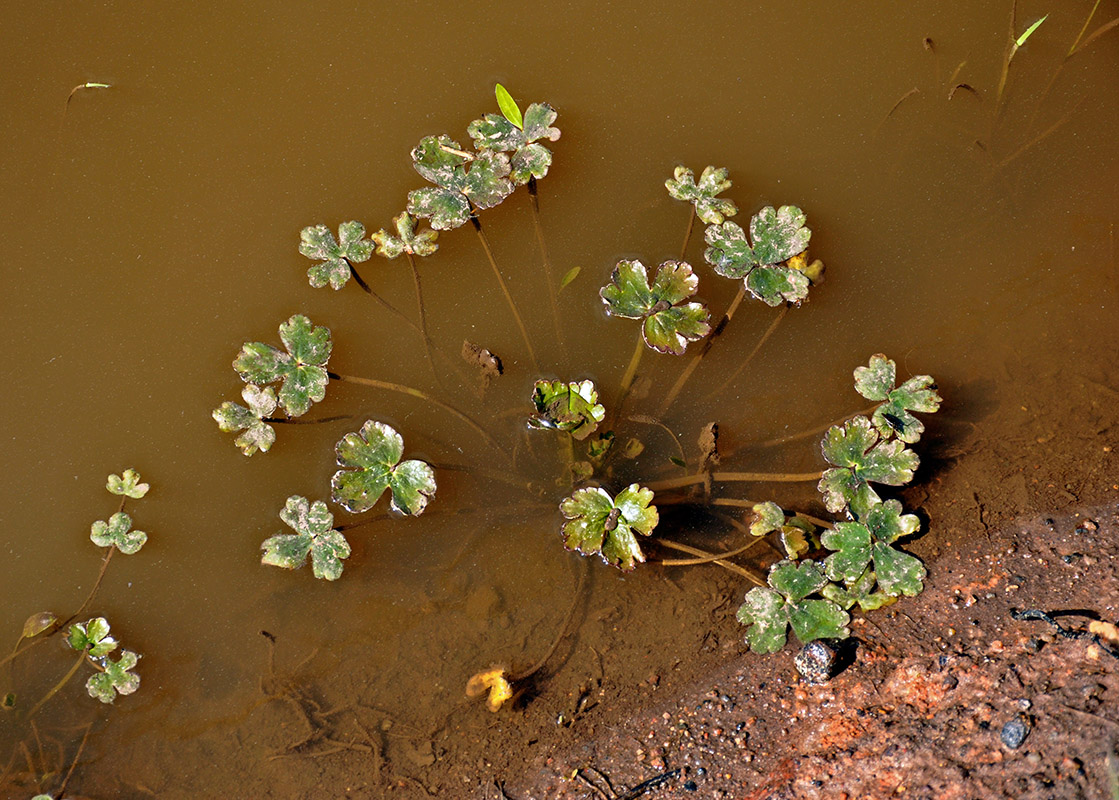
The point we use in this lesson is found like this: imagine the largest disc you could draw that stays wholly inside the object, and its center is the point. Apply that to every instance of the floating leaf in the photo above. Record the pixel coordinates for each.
(493, 680)
(314, 534)
(37, 623)
(116, 534)
(484, 183)
(669, 322)
(529, 159)
(407, 240)
(508, 105)
(857, 545)
(777, 285)
(600, 524)
(712, 181)
(861, 458)
(569, 407)
(127, 485)
(257, 434)
(335, 255)
(301, 368)
(768, 517)
(770, 612)
(893, 417)
(777, 236)
(116, 679)
(374, 455)
(92, 636)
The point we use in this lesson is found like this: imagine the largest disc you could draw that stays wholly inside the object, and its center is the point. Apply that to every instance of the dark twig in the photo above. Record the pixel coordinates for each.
(1068, 633)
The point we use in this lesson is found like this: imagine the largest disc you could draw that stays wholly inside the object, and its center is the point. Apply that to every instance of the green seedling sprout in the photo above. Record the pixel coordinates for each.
(600, 524)
(770, 612)
(314, 534)
(372, 464)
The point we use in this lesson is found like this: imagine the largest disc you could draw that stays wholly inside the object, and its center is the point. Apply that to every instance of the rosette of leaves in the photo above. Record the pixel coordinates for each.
(770, 612)
(93, 637)
(894, 418)
(510, 132)
(372, 457)
(301, 367)
(668, 321)
(461, 180)
(256, 434)
(858, 545)
(406, 239)
(117, 533)
(334, 255)
(314, 534)
(861, 457)
(775, 237)
(127, 485)
(569, 407)
(117, 677)
(712, 181)
(599, 523)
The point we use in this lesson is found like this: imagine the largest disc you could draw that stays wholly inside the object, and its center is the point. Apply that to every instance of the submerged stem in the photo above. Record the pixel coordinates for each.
(422, 310)
(715, 559)
(733, 477)
(736, 503)
(408, 390)
(58, 686)
(687, 562)
(688, 233)
(536, 224)
(504, 289)
(765, 337)
(631, 372)
(710, 340)
(576, 598)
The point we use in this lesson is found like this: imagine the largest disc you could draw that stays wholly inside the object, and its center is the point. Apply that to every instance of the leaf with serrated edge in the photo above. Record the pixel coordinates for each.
(778, 235)
(898, 572)
(373, 454)
(764, 613)
(876, 381)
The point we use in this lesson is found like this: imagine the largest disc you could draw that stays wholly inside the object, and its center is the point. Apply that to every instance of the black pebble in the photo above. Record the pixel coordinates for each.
(691, 786)
(1015, 731)
(816, 662)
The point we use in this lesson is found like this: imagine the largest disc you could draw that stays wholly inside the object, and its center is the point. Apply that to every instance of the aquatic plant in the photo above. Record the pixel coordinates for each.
(828, 566)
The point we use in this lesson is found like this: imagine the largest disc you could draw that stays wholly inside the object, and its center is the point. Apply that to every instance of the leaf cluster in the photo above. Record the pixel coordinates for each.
(713, 181)
(669, 321)
(569, 407)
(776, 236)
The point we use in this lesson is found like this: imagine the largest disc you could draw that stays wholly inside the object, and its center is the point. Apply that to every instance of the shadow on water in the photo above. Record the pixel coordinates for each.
(152, 228)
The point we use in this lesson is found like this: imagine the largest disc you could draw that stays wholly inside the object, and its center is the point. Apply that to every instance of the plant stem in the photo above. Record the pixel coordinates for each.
(576, 598)
(408, 390)
(687, 562)
(504, 289)
(96, 584)
(631, 372)
(302, 421)
(420, 307)
(732, 477)
(710, 340)
(765, 337)
(65, 679)
(715, 559)
(74, 763)
(688, 233)
(533, 196)
(792, 437)
(646, 420)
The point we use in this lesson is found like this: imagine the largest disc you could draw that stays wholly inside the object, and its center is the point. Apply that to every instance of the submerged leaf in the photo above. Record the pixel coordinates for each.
(127, 485)
(769, 613)
(669, 322)
(600, 524)
(373, 454)
(116, 679)
(116, 533)
(569, 407)
(768, 517)
(256, 433)
(406, 240)
(334, 255)
(713, 181)
(301, 369)
(314, 534)
(893, 417)
(493, 680)
(37, 623)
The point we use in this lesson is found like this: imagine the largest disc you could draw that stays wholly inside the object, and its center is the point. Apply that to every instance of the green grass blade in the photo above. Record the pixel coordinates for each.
(1029, 32)
(508, 106)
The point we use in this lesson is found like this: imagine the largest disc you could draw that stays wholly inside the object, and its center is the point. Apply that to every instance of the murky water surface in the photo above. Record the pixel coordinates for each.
(151, 228)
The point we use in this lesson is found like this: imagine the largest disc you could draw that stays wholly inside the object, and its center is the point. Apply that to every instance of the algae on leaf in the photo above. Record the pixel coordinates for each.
(668, 322)
(314, 534)
(406, 239)
(256, 434)
(712, 181)
(598, 523)
(770, 612)
(334, 255)
(461, 179)
(372, 457)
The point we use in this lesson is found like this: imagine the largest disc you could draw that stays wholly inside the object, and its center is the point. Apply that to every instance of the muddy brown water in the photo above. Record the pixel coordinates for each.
(151, 228)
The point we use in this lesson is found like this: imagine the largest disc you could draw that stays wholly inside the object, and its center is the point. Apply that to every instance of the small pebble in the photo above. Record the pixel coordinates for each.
(1015, 731)
(816, 662)
(691, 786)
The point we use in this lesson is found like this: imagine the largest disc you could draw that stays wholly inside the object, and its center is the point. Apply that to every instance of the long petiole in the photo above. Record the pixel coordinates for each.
(736, 503)
(536, 224)
(55, 689)
(631, 372)
(688, 233)
(710, 340)
(715, 559)
(688, 562)
(505, 289)
(732, 477)
(408, 390)
(765, 337)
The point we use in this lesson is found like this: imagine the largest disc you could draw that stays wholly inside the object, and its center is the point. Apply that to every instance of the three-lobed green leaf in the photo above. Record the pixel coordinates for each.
(770, 612)
(461, 179)
(301, 369)
(127, 485)
(92, 636)
(712, 181)
(859, 544)
(669, 322)
(893, 417)
(314, 535)
(334, 255)
(256, 434)
(598, 523)
(117, 678)
(776, 236)
(117, 533)
(528, 158)
(372, 457)
(861, 457)
(406, 239)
